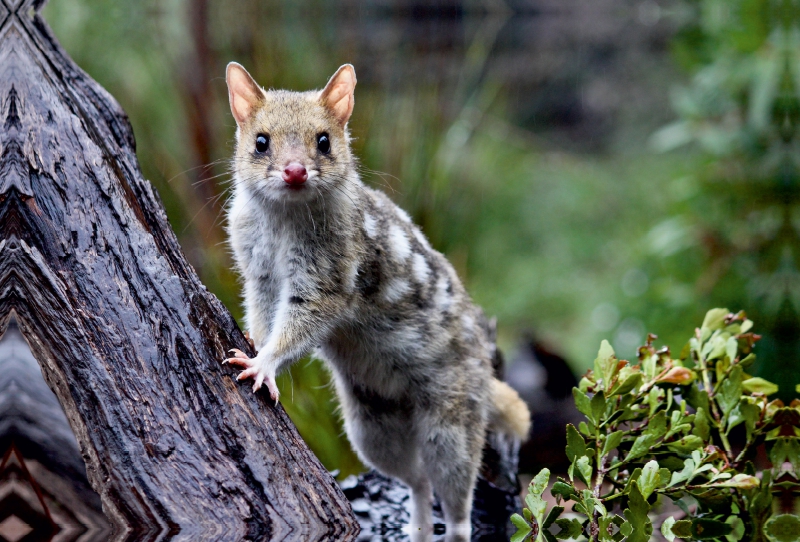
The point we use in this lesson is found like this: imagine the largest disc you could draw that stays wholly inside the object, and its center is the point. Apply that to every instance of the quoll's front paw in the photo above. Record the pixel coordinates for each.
(253, 368)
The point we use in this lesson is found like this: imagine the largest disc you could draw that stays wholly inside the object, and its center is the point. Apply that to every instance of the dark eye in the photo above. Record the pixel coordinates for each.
(323, 143)
(262, 143)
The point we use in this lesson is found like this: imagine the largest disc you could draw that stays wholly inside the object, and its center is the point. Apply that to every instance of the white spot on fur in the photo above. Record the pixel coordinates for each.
(468, 322)
(420, 268)
(401, 246)
(407, 339)
(442, 299)
(396, 289)
(352, 272)
(403, 215)
(421, 238)
(370, 225)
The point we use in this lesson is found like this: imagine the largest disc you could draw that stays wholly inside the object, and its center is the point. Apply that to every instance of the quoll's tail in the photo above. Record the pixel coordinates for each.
(510, 414)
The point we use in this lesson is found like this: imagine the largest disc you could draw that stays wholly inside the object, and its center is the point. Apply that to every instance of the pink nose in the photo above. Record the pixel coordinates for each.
(295, 174)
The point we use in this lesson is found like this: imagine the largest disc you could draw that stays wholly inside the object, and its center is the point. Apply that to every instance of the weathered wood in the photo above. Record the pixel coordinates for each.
(127, 336)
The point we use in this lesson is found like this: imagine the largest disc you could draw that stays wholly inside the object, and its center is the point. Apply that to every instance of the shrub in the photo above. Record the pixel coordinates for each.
(662, 428)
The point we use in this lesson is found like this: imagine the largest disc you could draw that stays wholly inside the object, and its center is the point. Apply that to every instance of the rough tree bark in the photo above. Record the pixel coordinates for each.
(126, 335)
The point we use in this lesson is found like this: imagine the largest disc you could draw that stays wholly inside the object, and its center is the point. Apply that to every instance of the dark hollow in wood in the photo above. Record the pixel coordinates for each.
(127, 336)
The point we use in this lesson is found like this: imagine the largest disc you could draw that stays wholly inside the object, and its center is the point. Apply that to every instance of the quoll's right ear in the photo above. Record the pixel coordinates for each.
(244, 93)
(337, 95)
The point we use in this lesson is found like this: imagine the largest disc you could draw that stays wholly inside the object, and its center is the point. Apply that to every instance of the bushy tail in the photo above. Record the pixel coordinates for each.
(510, 414)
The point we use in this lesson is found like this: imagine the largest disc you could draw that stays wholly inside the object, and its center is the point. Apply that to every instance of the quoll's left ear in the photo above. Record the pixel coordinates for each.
(338, 94)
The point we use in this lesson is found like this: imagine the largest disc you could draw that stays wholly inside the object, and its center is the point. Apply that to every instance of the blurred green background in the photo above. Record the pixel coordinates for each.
(592, 169)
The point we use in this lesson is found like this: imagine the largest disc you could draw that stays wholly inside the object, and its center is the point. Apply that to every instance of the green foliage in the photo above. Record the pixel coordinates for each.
(661, 429)
(741, 110)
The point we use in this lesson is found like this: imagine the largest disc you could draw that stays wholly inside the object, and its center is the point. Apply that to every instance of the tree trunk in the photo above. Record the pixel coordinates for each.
(127, 337)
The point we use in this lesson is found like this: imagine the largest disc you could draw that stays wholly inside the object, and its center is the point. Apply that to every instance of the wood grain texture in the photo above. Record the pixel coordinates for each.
(126, 335)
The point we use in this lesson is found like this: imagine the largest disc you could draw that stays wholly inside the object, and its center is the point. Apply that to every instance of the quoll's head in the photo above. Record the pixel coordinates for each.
(291, 145)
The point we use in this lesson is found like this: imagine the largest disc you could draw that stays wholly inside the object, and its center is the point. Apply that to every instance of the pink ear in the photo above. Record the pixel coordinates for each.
(338, 94)
(244, 93)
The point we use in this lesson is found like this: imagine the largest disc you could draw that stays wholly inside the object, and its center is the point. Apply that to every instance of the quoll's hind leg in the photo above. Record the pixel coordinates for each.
(421, 509)
(452, 455)
(385, 439)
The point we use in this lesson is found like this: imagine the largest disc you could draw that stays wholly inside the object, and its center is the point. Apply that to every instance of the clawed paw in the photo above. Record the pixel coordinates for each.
(253, 369)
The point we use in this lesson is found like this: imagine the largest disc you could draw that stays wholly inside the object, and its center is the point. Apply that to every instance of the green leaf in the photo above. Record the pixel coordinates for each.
(664, 476)
(702, 427)
(564, 490)
(697, 398)
(523, 528)
(649, 479)
(735, 417)
(626, 528)
(582, 402)
(751, 414)
(709, 529)
(605, 365)
(731, 390)
(649, 366)
(598, 405)
(686, 444)
(534, 501)
(737, 527)
(672, 136)
(666, 529)
(763, 90)
(584, 470)
(759, 385)
(570, 528)
(748, 360)
(783, 528)
(576, 446)
(552, 516)
(612, 441)
(715, 348)
(657, 427)
(731, 347)
(631, 381)
(636, 513)
(714, 320)
(654, 399)
(641, 446)
(740, 481)
(683, 476)
(539, 482)
(760, 504)
(682, 529)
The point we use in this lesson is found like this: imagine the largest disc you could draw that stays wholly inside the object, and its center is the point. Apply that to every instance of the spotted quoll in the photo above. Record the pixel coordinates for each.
(332, 266)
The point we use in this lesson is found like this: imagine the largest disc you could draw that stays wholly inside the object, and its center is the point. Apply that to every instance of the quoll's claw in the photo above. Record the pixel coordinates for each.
(273, 389)
(239, 359)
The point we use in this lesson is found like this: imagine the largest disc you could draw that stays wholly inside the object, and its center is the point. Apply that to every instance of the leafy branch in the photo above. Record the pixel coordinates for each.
(662, 429)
